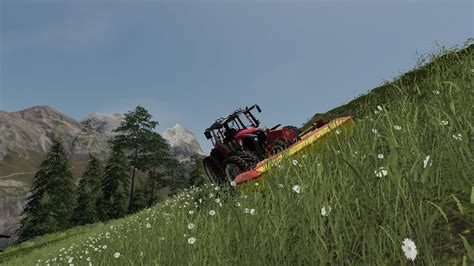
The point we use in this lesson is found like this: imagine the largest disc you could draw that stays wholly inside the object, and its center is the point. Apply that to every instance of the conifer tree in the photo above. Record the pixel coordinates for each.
(115, 186)
(196, 176)
(155, 157)
(89, 193)
(51, 204)
(133, 135)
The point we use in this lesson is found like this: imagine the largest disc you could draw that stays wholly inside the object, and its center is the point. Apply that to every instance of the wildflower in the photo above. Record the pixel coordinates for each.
(375, 131)
(252, 211)
(217, 200)
(380, 156)
(233, 183)
(280, 185)
(191, 212)
(238, 204)
(104, 247)
(338, 151)
(436, 92)
(381, 172)
(397, 127)
(472, 70)
(295, 162)
(216, 188)
(70, 260)
(211, 195)
(338, 131)
(296, 189)
(148, 225)
(88, 259)
(212, 212)
(256, 183)
(457, 136)
(304, 155)
(426, 160)
(376, 111)
(191, 226)
(409, 248)
(324, 212)
(379, 107)
(116, 255)
(141, 253)
(191, 240)
(444, 122)
(247, 210)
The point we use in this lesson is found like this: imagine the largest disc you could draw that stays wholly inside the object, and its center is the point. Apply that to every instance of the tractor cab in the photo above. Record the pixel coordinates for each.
(225, 129)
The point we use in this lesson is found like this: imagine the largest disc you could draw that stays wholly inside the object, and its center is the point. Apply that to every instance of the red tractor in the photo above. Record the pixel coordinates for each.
(239, 144)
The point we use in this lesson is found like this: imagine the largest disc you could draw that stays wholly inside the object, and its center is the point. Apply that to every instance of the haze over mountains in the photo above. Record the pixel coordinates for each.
(32, 130)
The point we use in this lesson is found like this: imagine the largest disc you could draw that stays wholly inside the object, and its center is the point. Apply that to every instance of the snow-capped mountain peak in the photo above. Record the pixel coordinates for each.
(183, 142)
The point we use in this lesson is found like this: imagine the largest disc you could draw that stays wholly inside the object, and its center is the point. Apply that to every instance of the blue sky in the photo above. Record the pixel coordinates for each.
(190, 62)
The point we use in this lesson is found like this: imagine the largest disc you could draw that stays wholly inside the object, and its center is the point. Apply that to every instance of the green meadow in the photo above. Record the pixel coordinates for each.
(403, 169)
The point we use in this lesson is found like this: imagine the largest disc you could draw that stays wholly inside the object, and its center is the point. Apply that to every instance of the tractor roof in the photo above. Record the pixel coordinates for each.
(222, 120)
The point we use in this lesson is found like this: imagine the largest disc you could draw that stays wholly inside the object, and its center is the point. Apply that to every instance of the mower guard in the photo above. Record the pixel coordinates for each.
(306, 140)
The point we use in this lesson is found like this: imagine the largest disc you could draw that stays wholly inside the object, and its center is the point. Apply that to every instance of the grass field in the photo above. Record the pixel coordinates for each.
(404, 169)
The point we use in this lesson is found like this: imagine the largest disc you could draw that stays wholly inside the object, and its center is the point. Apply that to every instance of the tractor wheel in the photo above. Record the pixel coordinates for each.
(249, 157)
(234, 166)
(213, 170)
(297, 132)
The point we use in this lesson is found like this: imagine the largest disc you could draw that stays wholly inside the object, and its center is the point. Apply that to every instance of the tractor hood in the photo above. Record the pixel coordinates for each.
(245, 132)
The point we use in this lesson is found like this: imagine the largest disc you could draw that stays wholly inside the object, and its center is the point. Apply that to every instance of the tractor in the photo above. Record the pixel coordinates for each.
(239, 144)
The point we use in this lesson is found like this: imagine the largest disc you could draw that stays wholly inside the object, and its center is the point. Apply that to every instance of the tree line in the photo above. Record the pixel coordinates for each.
(56, 203)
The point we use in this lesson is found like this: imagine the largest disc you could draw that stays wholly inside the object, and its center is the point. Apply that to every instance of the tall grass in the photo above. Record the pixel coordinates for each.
(404, 169)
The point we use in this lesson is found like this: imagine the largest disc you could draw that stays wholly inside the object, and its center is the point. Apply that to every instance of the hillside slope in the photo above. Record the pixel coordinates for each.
(395, 187)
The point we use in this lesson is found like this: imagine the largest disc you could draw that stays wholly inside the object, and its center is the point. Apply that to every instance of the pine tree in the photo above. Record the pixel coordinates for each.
(51, 204)
(133, 134)
(115, 186)
(89, 193)
(196, 176)
(155, 156)
(140, 201)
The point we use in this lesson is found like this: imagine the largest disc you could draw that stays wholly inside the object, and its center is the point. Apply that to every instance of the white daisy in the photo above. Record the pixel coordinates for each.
(191, 226)
(397, 127)
(380, 156)
(191, 212)
(233, 183)
(381, 172)
(426, 160)
(148, 225)
(409, 248)
(295, 162)
(280, 185)
(212, 212)
(217, 200)
(444, 122)
(116, 255)
(436, 92)
(457, 136)
(252, 211)
(337, 132)
(379, 107)
(325, 212)
(375, 131)
(191, 240)
(296, 189)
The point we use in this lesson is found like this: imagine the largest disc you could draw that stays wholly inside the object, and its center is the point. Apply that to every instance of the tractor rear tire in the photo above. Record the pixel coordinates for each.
(234, 166)
(249, 157)
(214, 170)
